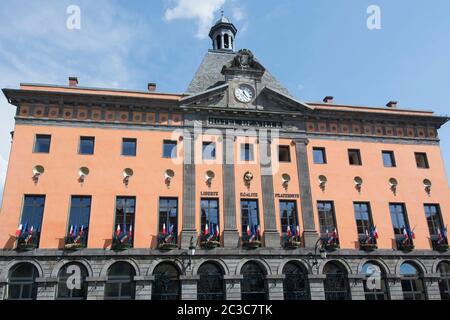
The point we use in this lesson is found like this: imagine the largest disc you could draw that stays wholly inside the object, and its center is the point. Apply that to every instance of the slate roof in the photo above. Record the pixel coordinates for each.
(209, 74)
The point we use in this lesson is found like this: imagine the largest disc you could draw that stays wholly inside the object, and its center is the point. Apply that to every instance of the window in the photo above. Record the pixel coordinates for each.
(129, 147)
(363, 218)
(209, 151)
(288, 215)
(42, 143)
(86, 145)
(438, 233)
(210, 217)
(327, 219)
(295, 283)
(284, 154)
(354, 157)
(412, 282)
(66, 293)
(253, 283)
(80, 211)
(375, 284)
(168, 218)
(400, 223)
(210, 285)
(388, 159)
(422, 160)
(336, 282)
(247, 152)
(166, 285)
(319, 156)
(125, 213)
(22, 282)
(120, 283)
(250, 218)
(169, 149)
(444, 281)
(31, 221)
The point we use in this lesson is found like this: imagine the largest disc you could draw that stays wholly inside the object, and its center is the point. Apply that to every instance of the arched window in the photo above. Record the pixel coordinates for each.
(166, 285)
(253, 284)
(120, 284)
(444, 281)
(336, 282)
(412, 282)
(375, 285)
(211, 285)
(226, 40)
(21, 282)
(72, 283)
(219, 42)
(296, 285)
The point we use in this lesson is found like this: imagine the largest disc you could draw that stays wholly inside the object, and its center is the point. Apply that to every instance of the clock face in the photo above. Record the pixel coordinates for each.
(244, 93)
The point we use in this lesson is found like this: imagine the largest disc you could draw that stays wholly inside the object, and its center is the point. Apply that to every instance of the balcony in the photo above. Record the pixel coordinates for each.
(330, 243)
(251, 242)
(122, 242)
(27, 241)
(167, 241)
(292, 242)
(367, 244)
(209, 241)
(405, 245)
(439, 244)
(75, 242)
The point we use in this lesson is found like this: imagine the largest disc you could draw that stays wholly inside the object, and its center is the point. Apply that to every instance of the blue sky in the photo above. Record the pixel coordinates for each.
(314, 47)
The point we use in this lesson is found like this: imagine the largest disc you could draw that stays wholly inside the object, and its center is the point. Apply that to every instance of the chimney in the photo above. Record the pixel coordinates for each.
(151, 87)
(328, 99)
(392, 104)
(73, 81)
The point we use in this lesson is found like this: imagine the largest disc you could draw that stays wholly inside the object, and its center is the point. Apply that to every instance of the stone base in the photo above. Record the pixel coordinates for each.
(272, 239)
(230, 239)
(310, 238)
(186, 236)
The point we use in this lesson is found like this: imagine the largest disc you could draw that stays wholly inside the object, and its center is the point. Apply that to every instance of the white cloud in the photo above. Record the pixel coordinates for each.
(203, 11)
(238, 14)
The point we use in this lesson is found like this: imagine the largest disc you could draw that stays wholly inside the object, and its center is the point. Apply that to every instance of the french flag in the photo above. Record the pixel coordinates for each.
(71, 231)
(206, 230)
(164, 231)
(19, 231)
(249, 233)
(130, 232)
(405, 234)
(258, 231)
(118, 230)
(440, 237)
(335, 234)
(217, 231)
(367, 237)
(375, 232)
(289, 233)
(298, 231)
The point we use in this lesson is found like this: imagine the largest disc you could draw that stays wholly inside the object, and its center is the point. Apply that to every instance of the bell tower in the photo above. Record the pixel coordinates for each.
(223, 34)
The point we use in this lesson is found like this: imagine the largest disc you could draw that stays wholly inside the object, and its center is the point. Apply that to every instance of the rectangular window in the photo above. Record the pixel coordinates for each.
(327, 218)
(169, 149)
(210, 217)
(435, 223)
(363, 218)
(86, 145)
(168, 219)
(31, 221)
(209, 151)
(400, 224)
(78, 228)
(129, 147)
(124, 222)
(247, 152)
(249, 218)
(289, 216)
(422, 160)
(284, 154)
(354, 157)
(42, 143)
(388, 159)
(319, 156)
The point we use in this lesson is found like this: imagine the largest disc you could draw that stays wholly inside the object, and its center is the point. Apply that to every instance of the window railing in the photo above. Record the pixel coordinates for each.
(28, 241)
(251, 241)
(75, 242)
(167, 241)
(367, 243)
(122, 242)
(439, 243)
(329, 242)
(404, 244)
(292, 241)
(209, 241)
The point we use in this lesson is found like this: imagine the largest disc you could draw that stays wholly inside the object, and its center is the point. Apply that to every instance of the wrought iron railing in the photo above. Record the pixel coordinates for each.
(167, 241)
(28, 241)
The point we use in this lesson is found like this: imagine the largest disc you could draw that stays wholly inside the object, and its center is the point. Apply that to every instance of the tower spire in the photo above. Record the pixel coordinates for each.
(223, 33)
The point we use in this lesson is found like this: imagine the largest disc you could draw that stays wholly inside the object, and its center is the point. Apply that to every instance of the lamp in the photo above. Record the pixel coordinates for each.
(322, 252)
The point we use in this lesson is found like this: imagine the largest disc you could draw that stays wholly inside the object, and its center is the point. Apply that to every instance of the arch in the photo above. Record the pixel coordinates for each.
(166, 283)
(65, 280)
(211, 285)
(120, 286)
(21, 283)
(302, 263)
(62, 263)
(296, 282)
(339, 262)
(413, 284)
(435, 267)
(418, 264)
(375, 284)
(157, 262)
(9, 266)
(219, 262)
(263, 263)
(106, 266)
(336, 284)
(380, 262)
(254, 281)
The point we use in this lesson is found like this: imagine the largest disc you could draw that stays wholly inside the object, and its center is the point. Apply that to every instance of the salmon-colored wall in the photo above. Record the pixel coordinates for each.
(340, 187)
(104, 183)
